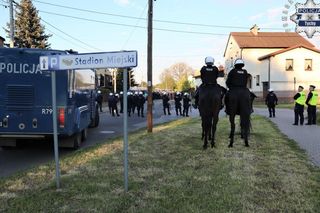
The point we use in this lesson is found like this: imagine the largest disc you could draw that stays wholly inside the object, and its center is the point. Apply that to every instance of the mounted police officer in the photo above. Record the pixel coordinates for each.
(300, 99)
(209, 74)
(311, 101)
(186, 104)
(141, 101)
(271, 102)
(237, 78)
(165, 103)
(177, 103)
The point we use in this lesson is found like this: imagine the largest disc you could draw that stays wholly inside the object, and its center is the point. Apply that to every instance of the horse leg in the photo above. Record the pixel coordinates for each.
(213, 129)
(205, 129)
(202, 133)
(233, 126)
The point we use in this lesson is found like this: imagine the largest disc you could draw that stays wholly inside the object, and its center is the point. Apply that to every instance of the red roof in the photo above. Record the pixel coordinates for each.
(269, 39)
(287, 49)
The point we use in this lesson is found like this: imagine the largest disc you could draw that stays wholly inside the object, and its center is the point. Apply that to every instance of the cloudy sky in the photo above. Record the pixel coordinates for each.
(184, 30)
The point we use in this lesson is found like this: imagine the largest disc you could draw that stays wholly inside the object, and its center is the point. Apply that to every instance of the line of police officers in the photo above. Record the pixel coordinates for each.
(177, 102)
(136, 100)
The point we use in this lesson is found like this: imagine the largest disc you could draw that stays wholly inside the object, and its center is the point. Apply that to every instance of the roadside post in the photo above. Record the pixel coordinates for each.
(120, 59)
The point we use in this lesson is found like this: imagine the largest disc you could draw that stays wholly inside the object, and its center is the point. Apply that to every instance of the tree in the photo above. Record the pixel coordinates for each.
(166, 81)
(175, 76)
(143, 84)
(184, 85)
(29, 32)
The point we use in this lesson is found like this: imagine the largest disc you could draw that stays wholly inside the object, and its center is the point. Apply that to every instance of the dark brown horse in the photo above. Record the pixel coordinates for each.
(239, 102)
(209, 107)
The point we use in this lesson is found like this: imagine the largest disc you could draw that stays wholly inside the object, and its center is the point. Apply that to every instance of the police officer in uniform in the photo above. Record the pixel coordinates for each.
(177, 103)
(121, 101)
(165, 103)
(209, 74)
(110, 102)
(130, 102)
(134, 101)
(271, 102)
(141, 101)
(99, 99)
(311, 101)
(115, 103)
(186, 103)
(237, 78)
(300, 99)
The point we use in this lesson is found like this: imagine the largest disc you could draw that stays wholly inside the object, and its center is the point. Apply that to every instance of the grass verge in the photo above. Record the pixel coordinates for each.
(169, 172)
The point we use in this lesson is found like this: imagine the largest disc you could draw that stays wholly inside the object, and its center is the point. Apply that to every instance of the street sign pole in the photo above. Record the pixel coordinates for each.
(55, 130)
(122, 59)
(125, 127)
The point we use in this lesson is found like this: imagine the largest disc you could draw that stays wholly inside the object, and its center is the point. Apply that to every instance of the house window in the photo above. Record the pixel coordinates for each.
(289, 64)
(258, 80)
(308, 64)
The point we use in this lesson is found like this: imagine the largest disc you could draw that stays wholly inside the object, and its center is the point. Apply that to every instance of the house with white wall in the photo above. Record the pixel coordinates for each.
(278, 60)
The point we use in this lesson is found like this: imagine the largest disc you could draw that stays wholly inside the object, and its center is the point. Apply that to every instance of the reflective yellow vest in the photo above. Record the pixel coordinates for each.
(313, 101)
(302, 99)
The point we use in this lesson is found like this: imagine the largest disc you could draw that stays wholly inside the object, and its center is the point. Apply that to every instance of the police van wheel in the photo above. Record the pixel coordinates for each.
(84, 134)
(77, 140)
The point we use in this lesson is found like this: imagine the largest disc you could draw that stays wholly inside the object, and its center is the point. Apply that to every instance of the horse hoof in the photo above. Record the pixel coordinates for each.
(247, 145)
(213, 145)
(205, 147)
(230, 146)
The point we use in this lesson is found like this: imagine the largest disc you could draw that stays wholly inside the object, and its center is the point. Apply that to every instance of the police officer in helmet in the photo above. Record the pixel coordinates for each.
(209, 74)
(237, 78)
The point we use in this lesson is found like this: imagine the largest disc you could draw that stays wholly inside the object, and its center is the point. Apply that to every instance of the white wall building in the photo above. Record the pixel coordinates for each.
(284, 60)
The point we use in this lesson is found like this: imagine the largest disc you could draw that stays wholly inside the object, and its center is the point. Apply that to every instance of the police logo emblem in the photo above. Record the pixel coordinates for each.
(307, 18)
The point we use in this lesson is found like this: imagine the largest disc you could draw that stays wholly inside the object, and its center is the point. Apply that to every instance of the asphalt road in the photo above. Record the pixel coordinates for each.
(34, 153)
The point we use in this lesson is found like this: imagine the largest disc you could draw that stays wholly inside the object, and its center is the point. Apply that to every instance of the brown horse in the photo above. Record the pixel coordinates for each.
(209, 107)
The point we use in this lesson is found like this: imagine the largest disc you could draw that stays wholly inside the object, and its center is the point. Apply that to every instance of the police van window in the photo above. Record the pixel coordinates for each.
(289, 64)
(308, 64)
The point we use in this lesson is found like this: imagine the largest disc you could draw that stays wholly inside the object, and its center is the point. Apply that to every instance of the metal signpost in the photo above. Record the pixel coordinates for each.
(121, 59)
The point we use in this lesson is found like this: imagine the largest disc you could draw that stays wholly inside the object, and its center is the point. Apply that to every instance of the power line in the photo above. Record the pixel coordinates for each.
(142, 27)
(70, 41)
(134, 29)
(155, 20)
(88, 45)
(70, 36)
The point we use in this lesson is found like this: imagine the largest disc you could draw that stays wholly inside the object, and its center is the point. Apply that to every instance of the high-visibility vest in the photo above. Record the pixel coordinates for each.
(313, 101)
(302, 99)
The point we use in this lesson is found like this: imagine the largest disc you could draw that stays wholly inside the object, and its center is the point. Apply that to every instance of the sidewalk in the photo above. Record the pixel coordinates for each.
(307, 137)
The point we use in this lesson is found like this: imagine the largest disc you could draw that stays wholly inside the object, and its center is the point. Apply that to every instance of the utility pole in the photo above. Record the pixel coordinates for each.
(149, 59)
(11, 24)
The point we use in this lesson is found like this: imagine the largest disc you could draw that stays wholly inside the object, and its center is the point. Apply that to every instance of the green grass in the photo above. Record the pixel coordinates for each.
(169, 172)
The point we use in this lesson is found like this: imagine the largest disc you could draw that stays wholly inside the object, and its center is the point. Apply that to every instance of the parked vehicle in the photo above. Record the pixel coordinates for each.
(26, 99)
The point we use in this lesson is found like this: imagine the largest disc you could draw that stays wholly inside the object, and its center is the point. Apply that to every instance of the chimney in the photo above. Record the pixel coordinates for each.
(2, 41)
(255, 29)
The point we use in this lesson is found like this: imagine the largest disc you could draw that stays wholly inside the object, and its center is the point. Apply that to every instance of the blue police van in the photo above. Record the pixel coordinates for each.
(26, 99)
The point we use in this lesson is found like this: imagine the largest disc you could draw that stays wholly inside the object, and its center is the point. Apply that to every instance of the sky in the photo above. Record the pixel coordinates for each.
(122, 25)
